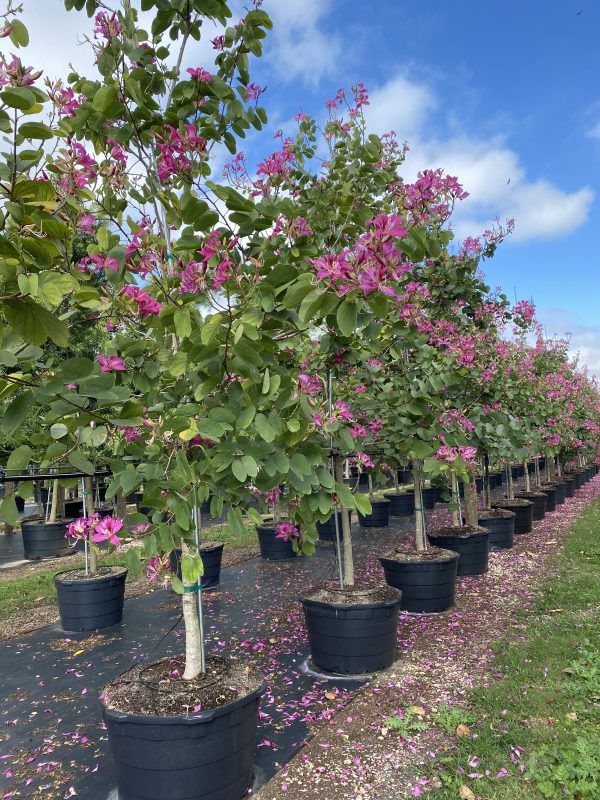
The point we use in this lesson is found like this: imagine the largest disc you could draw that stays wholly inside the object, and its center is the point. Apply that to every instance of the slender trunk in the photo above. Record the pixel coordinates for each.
(420, 521)
(455, 499)
(338, 471)
(538, 477)
(527, 481)
(396, 484)
(121, 505)
(471, 514)
(9, 488)
(40, 505)
(558, 467)
(487, 499)
(547, 469)
(510, 487)
(191, 624)
(88, 490)
(54, 506)
(551, 472)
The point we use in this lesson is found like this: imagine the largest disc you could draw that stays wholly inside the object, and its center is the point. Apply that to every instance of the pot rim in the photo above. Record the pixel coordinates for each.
(94, 580)
(442, 560)
(379, 604)
(200, 718)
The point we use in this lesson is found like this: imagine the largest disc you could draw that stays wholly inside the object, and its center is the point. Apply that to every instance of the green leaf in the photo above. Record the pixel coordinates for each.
(250, 466)
(73, 369)
(129, 481)
(18, 97)
(239, 470)
(19, 458)
(94, 437)
(236, 521)
(16, 412)
(362, 503)
(264, 428)
(8, 510)
(80, 462)
(245, 417)
(34, 323)
(35, 130)
(19, 34)
(346, 317)
(254, 516)
(183, 322)
(266, 382)
(58, 430)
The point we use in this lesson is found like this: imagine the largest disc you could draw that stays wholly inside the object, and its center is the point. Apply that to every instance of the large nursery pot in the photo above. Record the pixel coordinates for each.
(569, 484)
(73, 508)
(271, 547)
(202, 755)
(517, 471)
(352, 631)
(550, 492)
(501, 526)
(211, 554)
(561, 494)
(496, 479)
(471, 543)
(402, 504)
(326, 529)
(539, 500)
(478, 485)
(430, 495)
(426, 579)
(88, 603)
(379, 516)
(523, 511)
(44, 539)
(405, 476)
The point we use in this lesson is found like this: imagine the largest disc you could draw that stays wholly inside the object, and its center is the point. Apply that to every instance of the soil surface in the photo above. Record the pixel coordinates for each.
(461, 531)
(159, 690)
(432, 554)
(518, 501)
(495, 513)
(79, 575)
(353, 597)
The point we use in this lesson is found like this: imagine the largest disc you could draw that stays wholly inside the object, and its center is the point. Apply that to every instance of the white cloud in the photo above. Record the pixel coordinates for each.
(594, 132)
(401, 106)
(297, 46)
(489, 170)
(584, 339)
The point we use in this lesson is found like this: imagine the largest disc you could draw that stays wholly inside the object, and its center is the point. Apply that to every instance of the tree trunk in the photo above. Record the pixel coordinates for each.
(471, 514)
(487, 497)
(510, 487)
(193, 641)
(338, 471)
(527, 481)
(9, 488)
(538, 477)
(54, 506)
(420, 521)
(88, 494)
(455, 499)
(121, 505)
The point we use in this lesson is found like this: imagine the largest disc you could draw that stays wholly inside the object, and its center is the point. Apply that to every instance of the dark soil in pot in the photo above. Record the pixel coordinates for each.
(90, 602)
(379, 516)
(426, 579)
(44, 540)
(352, 631)
(327, 530)
(550, 492)
(501, 526)
(523, 510)
(272, 548)
(539, 501)
(172, 739)
(471, 543)
(402, 504)
(212, 554)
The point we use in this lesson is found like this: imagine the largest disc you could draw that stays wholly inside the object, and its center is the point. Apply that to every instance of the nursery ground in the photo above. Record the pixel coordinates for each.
(53, 745)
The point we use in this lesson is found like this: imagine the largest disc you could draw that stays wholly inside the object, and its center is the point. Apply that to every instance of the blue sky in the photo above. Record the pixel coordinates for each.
(488, 90)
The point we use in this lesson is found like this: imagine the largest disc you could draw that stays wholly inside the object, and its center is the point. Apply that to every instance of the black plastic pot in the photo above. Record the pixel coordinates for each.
(44, 540)
(73, 509)
(495, 480)
(88, 605)
(501, 528)
(550, 492)
(479, 485)
(272, 548)
(539, 500)
(429, 497)
(569, 484)
(20, 503)
(427, 586)
(211, 560)
(517, 471)
(473, 549)
(352, 639)
(405, 476)
(379, 516)
(523, 512)
(531, 467)
(401, 504)
(326, 530)
(561, 494)
(205, 756)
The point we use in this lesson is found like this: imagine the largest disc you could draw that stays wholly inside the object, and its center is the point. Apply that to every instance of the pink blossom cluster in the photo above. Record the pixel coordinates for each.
(177, 149)
(431, 196)
(97, 528)
(64, 100)
(450, 454)
(362, 461)
(146, 305)
(287, 531)
(107, 26)
(111, 364)
(13, 73)
(77, 167)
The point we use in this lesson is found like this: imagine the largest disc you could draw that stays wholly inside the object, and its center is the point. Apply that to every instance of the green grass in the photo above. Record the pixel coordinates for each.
(548, 704)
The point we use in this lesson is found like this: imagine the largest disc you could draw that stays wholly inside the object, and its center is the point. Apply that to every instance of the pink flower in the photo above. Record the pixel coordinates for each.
(199, 74)
(363, 461)
(358, 432)
(106, 27)
(86, 223)
(78, 529)
(287, 531)
(107, 529)
(111, 364)
(253, 92)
